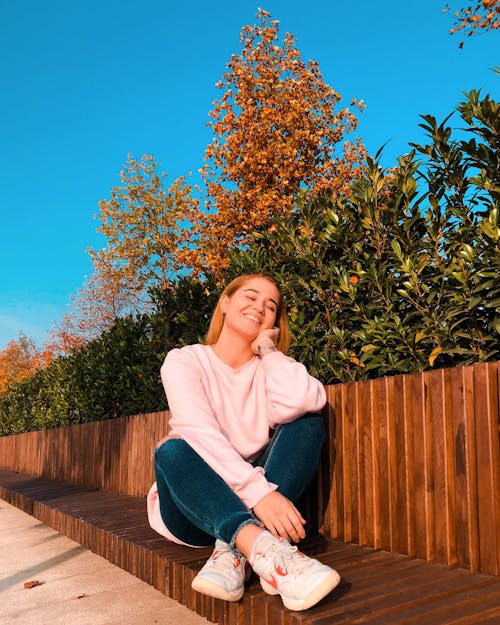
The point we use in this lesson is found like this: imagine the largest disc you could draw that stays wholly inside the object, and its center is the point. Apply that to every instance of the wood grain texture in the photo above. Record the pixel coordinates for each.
(411, 463)
(424, 451)
(377, 587)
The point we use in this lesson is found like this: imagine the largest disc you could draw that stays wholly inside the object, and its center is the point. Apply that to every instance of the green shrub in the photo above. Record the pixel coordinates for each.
(405, 275)
(402, 276)
(115, 375)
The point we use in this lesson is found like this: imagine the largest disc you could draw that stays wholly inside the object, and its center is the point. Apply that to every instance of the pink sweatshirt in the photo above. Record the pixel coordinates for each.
(225, 414)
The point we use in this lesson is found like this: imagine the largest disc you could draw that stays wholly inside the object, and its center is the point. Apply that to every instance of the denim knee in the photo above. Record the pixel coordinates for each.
(301, 440)
(315, 422)
(198, 492)
(311, 425)
(171, 453)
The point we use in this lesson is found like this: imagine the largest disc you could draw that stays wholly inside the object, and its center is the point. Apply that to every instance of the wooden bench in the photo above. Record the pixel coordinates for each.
(377, 586)
(407, 501)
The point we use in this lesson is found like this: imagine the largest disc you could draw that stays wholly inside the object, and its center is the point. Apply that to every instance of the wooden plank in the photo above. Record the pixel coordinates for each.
(416, 481)
(376, 584)
(82, 453)
(444, 607)
(371, 600)
(378, 489)
(416, 461)
(464, 435)
(366, 463)
(316, 507)
(438, 408)
(325, 486)
(253, 597)
(436, 419)
(396, 532)
(429, 380)
(489, 616)
(488, 466)
(349, 462)
(336, 516)
(404, 533)
(384, 475)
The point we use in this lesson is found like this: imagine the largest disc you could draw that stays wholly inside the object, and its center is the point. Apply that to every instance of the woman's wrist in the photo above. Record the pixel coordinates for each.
(266, 347)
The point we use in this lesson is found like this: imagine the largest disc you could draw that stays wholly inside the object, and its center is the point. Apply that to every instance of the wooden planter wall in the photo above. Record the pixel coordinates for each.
(116, 454)
(412, 465)
(416, 465)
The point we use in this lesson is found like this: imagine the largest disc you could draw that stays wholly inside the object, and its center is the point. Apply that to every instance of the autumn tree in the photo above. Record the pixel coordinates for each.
(93, 309)
(19, 360)
(480, 16)
(404, 274)
(278, 129)
(143, 225)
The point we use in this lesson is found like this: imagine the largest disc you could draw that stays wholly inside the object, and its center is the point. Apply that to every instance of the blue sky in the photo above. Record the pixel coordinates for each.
(84, 83)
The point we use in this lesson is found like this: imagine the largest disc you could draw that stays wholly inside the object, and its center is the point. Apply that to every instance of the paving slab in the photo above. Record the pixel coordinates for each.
(75, 586)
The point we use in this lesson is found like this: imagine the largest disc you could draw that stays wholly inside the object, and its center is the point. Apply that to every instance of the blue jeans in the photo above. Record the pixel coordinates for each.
(197, 505)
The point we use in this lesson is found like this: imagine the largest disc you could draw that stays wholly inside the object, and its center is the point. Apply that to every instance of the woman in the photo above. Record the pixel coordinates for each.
(245, 443)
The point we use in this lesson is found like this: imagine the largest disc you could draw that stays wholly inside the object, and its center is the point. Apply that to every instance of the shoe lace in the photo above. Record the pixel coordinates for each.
(288, 559)
(225, 559)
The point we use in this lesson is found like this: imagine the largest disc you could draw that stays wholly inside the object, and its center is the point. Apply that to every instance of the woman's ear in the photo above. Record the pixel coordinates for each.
(224, 301)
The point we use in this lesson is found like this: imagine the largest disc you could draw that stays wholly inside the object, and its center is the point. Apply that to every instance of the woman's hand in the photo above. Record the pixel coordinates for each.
(266, 340)
(280, 517)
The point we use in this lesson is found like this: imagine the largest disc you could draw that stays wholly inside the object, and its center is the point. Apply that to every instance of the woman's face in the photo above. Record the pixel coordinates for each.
(252, 308)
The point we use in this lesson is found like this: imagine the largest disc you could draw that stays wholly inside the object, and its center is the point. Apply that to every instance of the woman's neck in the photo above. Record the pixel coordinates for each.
(233, 349)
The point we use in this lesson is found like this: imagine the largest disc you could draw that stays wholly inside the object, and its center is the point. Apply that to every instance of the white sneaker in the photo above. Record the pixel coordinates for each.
(223, 574)
(283, 569)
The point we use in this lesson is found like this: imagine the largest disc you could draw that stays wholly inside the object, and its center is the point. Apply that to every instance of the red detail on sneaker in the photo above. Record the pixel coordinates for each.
(237, 563)
(280, 571)
(272, 582)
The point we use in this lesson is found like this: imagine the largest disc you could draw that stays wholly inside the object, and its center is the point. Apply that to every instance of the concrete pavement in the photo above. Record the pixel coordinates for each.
(76, 586)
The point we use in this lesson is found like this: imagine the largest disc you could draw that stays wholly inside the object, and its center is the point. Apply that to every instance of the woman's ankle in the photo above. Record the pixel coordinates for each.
(246, 538)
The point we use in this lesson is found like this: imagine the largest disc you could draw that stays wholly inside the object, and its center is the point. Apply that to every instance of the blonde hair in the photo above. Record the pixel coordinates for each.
(217, 320)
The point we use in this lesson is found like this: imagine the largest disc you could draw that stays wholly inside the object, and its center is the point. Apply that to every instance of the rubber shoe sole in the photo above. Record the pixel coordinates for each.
(212, 589)
(318, 593)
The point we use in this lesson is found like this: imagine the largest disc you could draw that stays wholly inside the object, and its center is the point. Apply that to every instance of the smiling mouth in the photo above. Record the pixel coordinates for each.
(252, 318)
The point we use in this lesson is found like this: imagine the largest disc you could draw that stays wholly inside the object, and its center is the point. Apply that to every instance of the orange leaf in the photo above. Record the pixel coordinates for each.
(32, 583)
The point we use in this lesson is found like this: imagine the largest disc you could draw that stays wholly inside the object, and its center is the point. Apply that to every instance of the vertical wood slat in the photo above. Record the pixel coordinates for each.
(419, 467)
(395, 531)
(115, 454)
(464, 437)
(368, 466)
(429, 465)
(383, 483)
(417, 463)
(488, 466)
(437, 459)
(450, 487)
(412, 464)
(333, 524)
(404, 536)
(350, 459)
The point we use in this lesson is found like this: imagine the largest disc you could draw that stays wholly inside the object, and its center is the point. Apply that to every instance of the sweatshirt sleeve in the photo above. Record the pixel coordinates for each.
(192, 418)
(291, 390)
